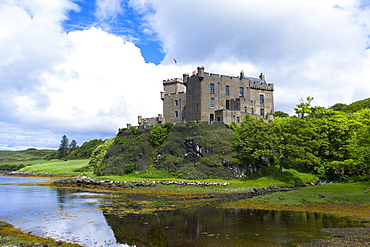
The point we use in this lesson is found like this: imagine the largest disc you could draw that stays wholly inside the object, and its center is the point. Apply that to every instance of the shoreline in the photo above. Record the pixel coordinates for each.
(338, 236)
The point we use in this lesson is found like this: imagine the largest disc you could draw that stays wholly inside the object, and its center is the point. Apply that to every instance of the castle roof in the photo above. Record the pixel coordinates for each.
(254, 79)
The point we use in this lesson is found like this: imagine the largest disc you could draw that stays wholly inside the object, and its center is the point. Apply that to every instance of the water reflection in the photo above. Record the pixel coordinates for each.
(93, 219)
(60, 214)
(207, 226)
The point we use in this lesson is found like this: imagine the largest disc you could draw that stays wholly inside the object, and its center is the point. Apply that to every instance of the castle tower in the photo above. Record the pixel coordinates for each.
(174, 100)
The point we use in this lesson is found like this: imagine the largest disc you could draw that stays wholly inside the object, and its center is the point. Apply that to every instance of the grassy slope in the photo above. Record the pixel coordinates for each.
(57, 167)
(353, 193)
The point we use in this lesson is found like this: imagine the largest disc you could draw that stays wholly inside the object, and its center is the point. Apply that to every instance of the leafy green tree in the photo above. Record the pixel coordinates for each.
(253, 141)
(129, 168)
(72, 145)
(280, 114)
(291, 146)
(303, 108)
(98, 155)
(85, 150)
(338, 107)
(158, 135)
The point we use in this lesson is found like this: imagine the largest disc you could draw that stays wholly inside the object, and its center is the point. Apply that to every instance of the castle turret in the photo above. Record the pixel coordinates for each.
(262, 77)
(185, 78)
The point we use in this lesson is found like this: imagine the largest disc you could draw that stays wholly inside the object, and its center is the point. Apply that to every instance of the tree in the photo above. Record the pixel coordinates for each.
(253, 141)
(158, 135)
(63, 147)
(72, 145)
(303, 108)
(292, 147)
(338, 107)
(281, 114)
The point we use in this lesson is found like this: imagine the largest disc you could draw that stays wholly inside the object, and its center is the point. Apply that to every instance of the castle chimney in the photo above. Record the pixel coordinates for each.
(241, 74)
(200, 71)
(262, 77)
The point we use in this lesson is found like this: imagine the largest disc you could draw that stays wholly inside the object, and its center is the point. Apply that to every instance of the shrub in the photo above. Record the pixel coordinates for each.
(129, 168)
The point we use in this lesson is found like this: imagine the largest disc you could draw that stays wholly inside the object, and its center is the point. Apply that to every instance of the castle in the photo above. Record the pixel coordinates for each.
(205, 96)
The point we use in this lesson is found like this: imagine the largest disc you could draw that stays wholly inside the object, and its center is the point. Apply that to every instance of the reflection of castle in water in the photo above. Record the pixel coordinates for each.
(207, 226)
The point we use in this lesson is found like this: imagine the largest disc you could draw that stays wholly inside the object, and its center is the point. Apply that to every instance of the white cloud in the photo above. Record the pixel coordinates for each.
(108, 10)
(315, 48)
(89, 83)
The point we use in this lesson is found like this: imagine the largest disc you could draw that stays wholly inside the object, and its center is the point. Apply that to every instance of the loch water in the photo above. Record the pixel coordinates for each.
(109, 219)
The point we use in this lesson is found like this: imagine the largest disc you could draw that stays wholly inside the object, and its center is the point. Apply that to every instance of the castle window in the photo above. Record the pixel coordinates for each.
(262, 112)
(176, 102)
(262, 99)
(252, 110)
(241, 92)
(212, 88)
(212, 103)
(227, 90)
(245, 109)
(176, 114)
(227, 104)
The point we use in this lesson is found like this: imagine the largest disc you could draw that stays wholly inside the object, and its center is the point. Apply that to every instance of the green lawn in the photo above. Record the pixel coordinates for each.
(58, 167)
(353, 193)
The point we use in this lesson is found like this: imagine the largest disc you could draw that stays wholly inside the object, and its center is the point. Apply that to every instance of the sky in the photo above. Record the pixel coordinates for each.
(85, 68)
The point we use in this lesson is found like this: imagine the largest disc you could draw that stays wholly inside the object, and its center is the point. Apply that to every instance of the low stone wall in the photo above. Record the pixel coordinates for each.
(31, 174)
(107, 183)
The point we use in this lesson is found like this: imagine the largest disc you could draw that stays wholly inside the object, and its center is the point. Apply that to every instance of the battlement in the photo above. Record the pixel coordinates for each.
(173, 80)
(150, 121)
(251, 82)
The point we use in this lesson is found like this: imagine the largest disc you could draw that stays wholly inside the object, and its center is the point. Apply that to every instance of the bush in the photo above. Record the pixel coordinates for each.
(129, 168)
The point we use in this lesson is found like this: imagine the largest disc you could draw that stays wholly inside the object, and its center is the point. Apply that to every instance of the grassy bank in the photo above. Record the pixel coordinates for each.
(69, 167)
(347, 199)
(11, 236)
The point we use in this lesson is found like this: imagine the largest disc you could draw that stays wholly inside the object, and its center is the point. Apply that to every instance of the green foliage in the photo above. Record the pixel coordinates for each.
(302, 109)
(11, 167)
(165, 146)
(98, 155)
(24, 155)
(63, 147)
(133, 131)
(129, 168)
(280, 114)
(338, 107)
(153, 173)
(253, 142)
(158, 135)
(85, 151)
(353, 107)
(331, 143)
(327, 142)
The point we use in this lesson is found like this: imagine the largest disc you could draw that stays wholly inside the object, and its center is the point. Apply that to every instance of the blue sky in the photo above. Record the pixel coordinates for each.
(127, 22)
(86, 68)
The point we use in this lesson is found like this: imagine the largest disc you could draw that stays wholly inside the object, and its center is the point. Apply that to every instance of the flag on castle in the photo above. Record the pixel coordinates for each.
(174, 60)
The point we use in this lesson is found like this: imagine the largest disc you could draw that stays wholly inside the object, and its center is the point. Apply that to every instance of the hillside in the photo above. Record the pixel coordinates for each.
(353, 107)
(191, 150)
(14, 160)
